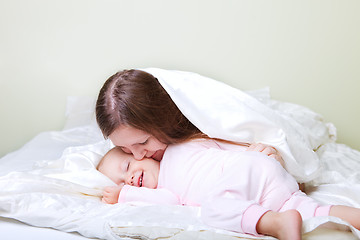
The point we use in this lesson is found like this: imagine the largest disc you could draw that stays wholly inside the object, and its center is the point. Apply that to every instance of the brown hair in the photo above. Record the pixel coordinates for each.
(136, 98)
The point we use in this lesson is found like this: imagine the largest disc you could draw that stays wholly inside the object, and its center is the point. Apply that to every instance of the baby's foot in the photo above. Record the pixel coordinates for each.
(289, 227)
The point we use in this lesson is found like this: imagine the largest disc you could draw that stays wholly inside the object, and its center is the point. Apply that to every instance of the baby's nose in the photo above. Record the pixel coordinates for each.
(131, 181)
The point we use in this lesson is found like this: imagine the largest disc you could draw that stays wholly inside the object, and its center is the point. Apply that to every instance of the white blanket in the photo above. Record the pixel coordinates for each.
(52, 181)
(228, 113)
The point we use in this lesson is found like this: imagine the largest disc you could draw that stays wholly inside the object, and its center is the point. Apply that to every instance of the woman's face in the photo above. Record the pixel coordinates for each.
(137, 142)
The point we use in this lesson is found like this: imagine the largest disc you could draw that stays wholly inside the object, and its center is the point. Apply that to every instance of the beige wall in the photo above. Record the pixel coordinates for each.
(308, 52)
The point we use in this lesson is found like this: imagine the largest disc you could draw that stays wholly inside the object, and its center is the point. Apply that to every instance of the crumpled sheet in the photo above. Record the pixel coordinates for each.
(52, 181)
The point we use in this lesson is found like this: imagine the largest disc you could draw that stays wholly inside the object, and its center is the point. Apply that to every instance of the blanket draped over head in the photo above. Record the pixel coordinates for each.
(52, 181)
(224, 112)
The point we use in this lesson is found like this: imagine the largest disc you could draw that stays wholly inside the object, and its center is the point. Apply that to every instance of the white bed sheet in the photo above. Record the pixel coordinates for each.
(60, 204)
(52, 182)
(14, 230)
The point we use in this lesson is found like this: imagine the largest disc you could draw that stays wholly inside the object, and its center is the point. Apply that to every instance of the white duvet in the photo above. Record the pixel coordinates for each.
(52, 180)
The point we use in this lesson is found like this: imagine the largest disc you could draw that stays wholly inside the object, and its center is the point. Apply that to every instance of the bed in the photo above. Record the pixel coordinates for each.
(50, 188)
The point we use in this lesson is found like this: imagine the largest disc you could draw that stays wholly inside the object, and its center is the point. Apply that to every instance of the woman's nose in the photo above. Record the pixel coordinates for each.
(139, 153)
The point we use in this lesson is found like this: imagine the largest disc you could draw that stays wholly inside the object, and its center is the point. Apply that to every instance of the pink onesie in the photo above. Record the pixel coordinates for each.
(233, 188)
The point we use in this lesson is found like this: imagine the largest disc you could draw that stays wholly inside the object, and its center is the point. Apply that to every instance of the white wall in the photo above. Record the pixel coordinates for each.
(308, 52)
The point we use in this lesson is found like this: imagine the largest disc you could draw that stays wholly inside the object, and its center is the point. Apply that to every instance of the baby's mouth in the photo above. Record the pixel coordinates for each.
(141, 179)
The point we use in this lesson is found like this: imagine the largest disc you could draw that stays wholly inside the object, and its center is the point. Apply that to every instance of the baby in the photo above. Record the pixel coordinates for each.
(245, 192)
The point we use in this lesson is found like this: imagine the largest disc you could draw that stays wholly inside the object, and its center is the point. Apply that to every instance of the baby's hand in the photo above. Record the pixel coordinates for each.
(268, 150)
(111, 194)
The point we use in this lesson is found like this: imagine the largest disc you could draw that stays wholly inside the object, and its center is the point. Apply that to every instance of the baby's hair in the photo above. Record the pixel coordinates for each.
(102, 160)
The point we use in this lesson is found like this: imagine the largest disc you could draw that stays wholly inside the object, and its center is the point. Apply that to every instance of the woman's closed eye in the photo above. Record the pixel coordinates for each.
(145, 142)
(125, 150)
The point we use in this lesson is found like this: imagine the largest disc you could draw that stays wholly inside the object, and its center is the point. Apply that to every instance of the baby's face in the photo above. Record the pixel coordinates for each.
(122, 168)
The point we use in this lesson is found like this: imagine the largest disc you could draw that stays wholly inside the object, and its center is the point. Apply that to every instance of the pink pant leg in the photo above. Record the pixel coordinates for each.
(306, 206)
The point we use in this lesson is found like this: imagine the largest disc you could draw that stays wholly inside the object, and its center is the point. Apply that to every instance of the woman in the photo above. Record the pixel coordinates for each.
(137, 114)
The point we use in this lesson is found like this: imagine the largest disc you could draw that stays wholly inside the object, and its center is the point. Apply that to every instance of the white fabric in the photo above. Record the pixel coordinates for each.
(73, 204)
(15, 230)
(52, 182)
(228, 113)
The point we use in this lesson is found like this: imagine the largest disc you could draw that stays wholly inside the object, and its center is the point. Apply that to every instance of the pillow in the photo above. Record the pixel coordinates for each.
(80, 111)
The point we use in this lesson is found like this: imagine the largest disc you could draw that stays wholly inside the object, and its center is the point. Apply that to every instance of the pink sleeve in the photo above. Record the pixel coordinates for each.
(155, 196)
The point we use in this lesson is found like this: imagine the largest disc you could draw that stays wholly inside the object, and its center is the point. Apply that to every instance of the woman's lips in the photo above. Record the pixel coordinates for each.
(158, 155)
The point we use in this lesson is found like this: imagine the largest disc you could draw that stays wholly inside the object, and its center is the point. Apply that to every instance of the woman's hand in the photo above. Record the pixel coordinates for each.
(271, 152)
(111, 194)
(268, 150)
